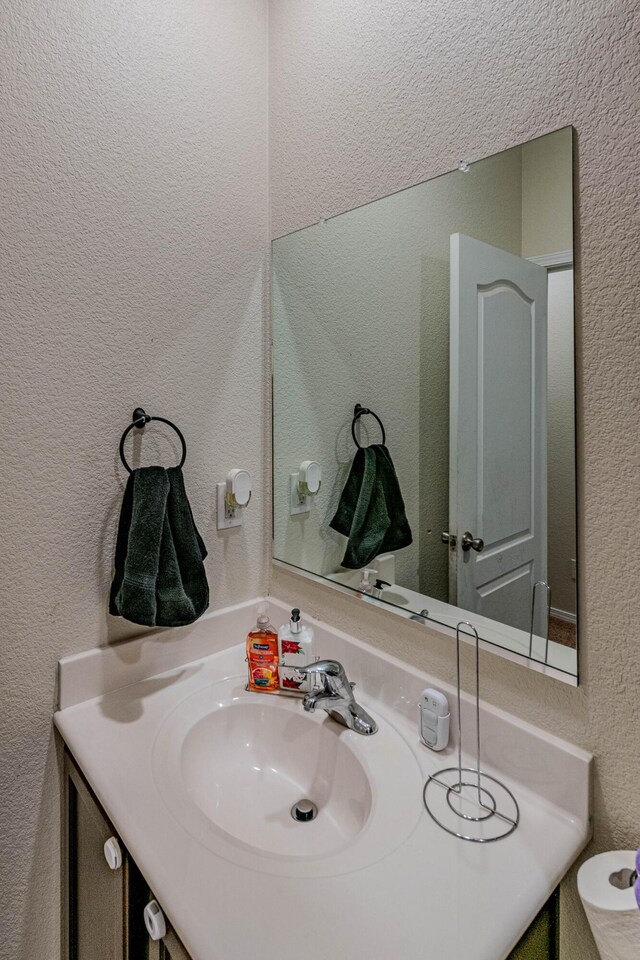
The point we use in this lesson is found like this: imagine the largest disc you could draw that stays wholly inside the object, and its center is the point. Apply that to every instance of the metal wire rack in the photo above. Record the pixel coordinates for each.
(465, 801)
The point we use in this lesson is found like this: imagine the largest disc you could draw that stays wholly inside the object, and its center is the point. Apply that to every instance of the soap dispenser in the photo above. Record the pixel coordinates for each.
(379, 587)
(262, 656)
(295, 646)
(366, 585)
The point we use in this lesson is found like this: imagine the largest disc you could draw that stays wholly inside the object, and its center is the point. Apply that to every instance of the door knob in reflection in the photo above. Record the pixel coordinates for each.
(469, 542)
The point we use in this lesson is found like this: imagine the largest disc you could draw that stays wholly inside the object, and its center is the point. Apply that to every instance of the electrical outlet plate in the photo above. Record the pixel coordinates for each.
(296, 505)
(227, 516)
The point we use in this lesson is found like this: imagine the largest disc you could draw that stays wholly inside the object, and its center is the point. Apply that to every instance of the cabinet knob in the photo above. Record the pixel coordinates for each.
(113, 853)
(154, 920)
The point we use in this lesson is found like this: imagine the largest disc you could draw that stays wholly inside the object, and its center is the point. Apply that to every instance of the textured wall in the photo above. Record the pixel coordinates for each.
(369, 97)
(134, 232)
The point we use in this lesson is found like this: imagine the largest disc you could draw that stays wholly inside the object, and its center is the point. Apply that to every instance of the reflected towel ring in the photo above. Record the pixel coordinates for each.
(360, 411)
(140, 418)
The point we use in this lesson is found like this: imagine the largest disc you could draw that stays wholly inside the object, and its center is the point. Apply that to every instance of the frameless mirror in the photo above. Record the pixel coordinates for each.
(424, 401)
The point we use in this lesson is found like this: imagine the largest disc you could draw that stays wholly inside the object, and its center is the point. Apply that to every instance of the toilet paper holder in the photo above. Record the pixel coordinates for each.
(467, 802)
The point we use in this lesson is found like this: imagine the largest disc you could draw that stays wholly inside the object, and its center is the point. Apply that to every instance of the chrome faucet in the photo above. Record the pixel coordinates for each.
(336, 697)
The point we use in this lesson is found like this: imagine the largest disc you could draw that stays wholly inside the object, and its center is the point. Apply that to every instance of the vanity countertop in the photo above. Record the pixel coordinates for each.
(428, 894)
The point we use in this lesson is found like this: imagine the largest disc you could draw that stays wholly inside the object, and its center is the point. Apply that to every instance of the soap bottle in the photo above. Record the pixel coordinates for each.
(262, 656)
(295, 646)
(365, 584)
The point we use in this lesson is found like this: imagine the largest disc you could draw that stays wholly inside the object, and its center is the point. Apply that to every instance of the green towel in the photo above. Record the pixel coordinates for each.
(159, 578)
(371, 511)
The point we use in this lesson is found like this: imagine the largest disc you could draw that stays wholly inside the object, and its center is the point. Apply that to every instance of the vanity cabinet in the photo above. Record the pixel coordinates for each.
(104, 906)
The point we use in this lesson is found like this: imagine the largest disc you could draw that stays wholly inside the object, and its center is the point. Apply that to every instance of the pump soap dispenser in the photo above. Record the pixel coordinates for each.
(262, 656)
(295, 644)
(365, 584)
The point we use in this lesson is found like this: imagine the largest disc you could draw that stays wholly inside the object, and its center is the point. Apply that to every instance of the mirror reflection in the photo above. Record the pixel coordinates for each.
(424, 400)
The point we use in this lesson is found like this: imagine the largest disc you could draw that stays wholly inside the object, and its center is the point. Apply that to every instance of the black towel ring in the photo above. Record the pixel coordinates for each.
(140, 418)
(359, 411)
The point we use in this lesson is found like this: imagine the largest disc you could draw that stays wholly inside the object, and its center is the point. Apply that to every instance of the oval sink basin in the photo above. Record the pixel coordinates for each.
(231, 764)
(247, 764)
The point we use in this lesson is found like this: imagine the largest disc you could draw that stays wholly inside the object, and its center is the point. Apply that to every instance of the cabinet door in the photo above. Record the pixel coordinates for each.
(173, 948)
(540, 942)
(96, 893)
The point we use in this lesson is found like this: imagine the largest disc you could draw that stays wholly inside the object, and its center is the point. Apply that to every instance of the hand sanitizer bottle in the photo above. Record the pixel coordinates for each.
(365, 584)
(295, 646)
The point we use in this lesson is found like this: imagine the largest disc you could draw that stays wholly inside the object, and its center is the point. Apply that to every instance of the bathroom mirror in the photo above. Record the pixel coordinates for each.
(435, 327)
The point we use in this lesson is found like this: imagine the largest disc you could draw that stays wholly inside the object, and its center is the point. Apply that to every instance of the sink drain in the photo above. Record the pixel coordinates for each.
(304, 810)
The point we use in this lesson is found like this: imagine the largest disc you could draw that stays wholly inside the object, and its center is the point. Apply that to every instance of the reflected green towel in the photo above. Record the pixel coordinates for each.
(371, 511)
(159, 578)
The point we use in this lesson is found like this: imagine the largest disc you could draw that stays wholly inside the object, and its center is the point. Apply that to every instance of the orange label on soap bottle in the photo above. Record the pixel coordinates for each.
(263, 675)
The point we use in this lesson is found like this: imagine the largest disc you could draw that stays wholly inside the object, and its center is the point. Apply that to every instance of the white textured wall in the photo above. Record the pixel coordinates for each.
(134, 232)
(369, 97)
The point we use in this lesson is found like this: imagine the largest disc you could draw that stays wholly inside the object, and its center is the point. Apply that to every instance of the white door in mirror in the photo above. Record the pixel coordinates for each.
(499, 432)
(434, 719)
(154, 921)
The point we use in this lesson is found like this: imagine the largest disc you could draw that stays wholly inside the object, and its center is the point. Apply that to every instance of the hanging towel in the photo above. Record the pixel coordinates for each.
(371, 511)
(159, 578)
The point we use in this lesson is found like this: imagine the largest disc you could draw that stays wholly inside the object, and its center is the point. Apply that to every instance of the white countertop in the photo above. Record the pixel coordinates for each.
(432, 896)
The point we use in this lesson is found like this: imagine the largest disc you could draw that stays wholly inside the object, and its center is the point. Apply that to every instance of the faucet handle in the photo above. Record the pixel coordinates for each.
(329, 670)
(332, 667)
(333, 675)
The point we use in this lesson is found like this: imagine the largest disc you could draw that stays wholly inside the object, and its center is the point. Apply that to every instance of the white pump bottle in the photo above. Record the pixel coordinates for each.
(295, 649)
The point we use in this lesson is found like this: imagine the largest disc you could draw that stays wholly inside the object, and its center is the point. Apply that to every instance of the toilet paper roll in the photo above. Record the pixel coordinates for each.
(613, 914)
